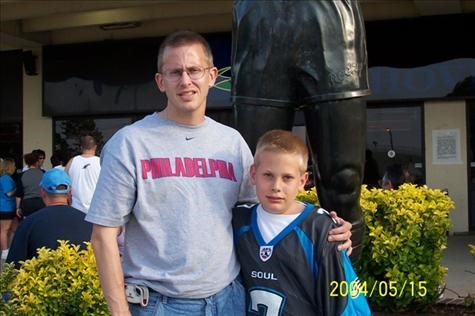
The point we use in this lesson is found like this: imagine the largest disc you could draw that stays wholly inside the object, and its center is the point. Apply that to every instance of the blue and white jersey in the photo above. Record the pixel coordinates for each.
(295, 272)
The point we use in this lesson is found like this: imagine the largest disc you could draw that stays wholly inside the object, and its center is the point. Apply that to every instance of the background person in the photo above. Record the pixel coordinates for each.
(28, 187)
(7, 203)
(84, 171)
(56, 221)
(371, 171)
(393, 177)
(41, 157)
(57, 160)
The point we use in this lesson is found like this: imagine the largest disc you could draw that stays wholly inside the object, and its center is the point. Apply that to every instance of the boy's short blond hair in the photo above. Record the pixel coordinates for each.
(280, 141)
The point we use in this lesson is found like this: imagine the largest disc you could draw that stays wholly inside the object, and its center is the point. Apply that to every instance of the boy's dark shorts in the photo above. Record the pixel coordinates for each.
(290, 53)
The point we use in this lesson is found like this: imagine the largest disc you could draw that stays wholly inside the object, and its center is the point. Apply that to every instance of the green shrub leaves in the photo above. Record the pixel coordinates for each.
(406, 233)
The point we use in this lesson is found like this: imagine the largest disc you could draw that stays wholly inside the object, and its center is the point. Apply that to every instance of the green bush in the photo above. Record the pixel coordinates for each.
(472, 250)
(406, 233)
(7, 276)
(63, 281)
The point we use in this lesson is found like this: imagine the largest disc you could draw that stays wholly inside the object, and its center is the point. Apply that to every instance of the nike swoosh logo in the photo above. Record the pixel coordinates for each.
(188, 138)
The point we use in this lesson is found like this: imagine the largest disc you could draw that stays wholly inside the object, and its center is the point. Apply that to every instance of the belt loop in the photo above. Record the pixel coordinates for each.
(209, 307)
(163, 298)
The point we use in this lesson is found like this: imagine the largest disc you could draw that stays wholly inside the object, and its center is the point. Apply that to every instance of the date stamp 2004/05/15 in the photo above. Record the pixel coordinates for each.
(380, 288)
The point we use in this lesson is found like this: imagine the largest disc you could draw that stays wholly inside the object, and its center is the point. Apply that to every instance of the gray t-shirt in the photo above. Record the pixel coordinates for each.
(30, 181)
(174, 186)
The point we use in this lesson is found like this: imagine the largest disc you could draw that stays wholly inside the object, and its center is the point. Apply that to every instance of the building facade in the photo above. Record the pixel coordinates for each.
(421, 112)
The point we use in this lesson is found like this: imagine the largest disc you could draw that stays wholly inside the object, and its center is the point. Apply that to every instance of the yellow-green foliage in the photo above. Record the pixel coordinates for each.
(406, 233)
(472, 250)
(58, 282)
(7, 276)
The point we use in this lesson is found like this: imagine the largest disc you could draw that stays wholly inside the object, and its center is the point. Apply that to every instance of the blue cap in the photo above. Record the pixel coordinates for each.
(54, 178)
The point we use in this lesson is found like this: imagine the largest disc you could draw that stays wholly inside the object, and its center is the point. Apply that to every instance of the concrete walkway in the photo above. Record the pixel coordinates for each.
(461, 264)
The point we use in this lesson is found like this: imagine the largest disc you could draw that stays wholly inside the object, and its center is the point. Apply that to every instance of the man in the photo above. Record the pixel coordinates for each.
(309, 55)
(56, 221)
(172, 179)
(84, 171)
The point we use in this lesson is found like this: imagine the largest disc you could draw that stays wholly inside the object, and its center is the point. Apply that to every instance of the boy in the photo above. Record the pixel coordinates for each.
(287, 264)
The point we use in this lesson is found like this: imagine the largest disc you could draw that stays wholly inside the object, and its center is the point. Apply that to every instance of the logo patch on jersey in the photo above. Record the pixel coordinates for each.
(265, 252)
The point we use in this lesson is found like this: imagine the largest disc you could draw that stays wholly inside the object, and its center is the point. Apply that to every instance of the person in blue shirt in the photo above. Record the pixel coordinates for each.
(287, 264)
(7, 203)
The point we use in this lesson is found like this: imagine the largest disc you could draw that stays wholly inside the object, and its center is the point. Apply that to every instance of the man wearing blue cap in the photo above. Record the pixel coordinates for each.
(56, 221)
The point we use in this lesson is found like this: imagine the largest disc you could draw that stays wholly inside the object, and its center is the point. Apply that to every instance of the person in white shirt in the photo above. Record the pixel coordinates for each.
(84, 171)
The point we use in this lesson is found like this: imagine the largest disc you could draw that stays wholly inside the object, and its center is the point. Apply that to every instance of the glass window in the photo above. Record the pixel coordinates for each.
(11, 109)
(394, 136)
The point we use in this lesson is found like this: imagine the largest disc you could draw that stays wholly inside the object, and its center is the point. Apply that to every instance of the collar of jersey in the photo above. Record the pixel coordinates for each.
(283, 233)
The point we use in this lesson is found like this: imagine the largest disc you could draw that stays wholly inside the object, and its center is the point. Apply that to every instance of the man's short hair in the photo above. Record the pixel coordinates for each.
(56, 159)
(88, 142)
(181, 38)
(40, 152)
(280, 141)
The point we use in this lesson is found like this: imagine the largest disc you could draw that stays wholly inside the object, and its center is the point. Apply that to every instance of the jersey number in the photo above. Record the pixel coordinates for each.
(269, 303)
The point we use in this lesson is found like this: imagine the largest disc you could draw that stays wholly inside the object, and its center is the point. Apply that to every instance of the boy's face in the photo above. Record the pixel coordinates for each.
(278, 179)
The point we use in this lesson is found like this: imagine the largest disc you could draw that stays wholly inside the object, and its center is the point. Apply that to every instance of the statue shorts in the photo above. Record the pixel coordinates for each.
(292, 53)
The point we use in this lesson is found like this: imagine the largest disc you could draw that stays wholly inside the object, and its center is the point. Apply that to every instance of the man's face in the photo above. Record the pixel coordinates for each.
(186, 95)
(41, 161)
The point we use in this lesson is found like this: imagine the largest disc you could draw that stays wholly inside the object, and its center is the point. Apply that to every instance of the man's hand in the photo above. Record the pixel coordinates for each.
(106, 251)
(341, 233)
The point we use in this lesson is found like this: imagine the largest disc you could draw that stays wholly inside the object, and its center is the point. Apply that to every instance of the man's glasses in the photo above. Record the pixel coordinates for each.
(195, 73)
